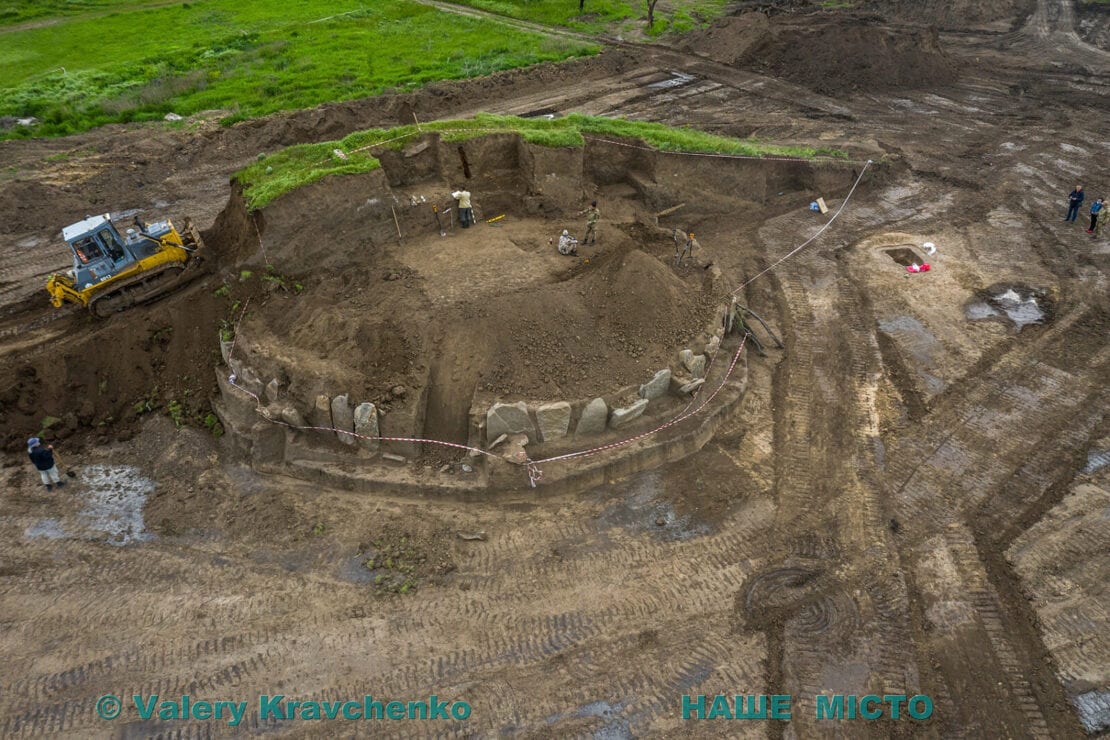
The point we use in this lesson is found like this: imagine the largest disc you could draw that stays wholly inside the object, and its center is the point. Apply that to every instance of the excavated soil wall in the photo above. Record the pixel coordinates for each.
(370, 333)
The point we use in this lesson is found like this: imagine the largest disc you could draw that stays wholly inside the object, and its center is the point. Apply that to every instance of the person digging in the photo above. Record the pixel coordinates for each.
(43, 459)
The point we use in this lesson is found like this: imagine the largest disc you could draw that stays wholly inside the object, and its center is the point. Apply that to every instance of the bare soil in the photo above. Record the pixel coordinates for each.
(889, 511)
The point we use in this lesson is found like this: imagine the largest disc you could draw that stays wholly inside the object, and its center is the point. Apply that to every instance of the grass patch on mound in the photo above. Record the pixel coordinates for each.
(274, 175)
(132, 61)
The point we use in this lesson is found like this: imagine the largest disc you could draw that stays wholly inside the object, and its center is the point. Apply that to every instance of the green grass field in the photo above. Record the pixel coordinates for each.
(606, 15)
(251, 57)
(283, 171)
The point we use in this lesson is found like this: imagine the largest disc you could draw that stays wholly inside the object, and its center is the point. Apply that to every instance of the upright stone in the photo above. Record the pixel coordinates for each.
(343, 419)
(594, 418)
(366, 424)
(273, 390)
(320, 416)
(553, 420)
(292, 417)
(696, 365)
(620, 417)
(657, 386)
(509, 418)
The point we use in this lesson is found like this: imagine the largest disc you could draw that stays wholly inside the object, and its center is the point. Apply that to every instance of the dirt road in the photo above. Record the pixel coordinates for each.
(848, 532)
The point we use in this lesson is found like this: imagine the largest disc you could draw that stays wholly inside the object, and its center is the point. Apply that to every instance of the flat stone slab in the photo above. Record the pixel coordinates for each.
(620, 417)
(657, 386)
(553, 420)
(594, 418)
(343, 419)
(509, 418)
(366, 424)
(693, 385)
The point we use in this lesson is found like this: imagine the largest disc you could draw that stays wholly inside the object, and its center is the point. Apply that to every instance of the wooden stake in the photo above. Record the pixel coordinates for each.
(397, 224)
(669, 211)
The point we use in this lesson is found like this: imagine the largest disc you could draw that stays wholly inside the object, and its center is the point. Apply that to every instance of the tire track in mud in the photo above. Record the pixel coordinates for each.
(1004, 440)
(826, 433)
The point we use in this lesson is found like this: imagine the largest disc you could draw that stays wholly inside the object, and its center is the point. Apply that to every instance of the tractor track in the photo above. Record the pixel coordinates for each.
(819, 574)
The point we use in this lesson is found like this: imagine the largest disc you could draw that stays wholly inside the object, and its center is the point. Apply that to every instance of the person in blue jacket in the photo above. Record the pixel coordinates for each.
(43, 458)
(1097, 206)
(1075, 199)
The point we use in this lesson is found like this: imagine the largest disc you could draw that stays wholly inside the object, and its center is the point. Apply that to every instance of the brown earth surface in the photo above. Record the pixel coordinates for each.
(887, 512)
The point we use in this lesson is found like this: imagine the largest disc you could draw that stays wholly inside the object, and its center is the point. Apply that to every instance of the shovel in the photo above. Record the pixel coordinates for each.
(58, 461)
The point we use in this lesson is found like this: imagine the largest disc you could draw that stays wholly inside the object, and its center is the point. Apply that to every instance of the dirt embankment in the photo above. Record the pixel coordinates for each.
(856, 52)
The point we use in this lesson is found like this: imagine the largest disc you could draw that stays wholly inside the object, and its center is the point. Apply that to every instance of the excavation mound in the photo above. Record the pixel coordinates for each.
(855, 53)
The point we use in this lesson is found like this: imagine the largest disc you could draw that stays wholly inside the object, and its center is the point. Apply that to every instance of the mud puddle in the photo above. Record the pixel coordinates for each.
(112, 499)
(1014, 303)
(642, 507)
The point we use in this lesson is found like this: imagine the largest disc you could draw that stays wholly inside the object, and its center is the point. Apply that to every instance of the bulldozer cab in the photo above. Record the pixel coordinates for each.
(99, 252)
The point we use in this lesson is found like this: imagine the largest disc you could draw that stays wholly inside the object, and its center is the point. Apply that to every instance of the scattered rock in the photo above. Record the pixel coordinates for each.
(660, 521)
(343, 419)
(553, 420)
(398, 391)
(509, 418)
(657, 386)
(620, 417)
(514, 449)
(393, 458)
(445, 468)
(366, 424)
(173, 117)
(467, 469)
(594, 418)
(473, 536)
(498, 441)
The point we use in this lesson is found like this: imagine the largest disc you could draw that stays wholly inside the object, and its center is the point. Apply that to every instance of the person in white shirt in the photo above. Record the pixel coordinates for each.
(466, 213)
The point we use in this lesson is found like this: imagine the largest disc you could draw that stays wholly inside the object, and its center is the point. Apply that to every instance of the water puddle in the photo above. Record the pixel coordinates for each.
(642, 507)
(677, 79)
(1096, 461)
(47, 529)
(115, 496)
(1017, 304)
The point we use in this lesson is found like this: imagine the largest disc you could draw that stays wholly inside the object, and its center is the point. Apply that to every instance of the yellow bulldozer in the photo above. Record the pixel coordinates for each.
(112, 271)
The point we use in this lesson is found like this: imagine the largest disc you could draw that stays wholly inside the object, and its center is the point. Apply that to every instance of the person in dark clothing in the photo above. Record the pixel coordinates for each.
(1097, 206)
(43, 458)
(1075, 199)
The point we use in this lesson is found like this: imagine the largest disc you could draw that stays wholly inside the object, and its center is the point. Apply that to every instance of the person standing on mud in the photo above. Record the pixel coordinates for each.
(1075, 199)
(687, 250)
(1103, 217)
(592, 217)
(466, 213)
(1097, 206)
(43, 458)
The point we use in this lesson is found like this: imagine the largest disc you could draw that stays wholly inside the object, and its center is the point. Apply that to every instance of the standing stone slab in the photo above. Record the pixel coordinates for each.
(343, 419)
(509, 418)
(594, 418)
(273, 390)
(696, 365)
(366, 424)
(553, 420)
(620, 417)
(320, 416)
(657, 386)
